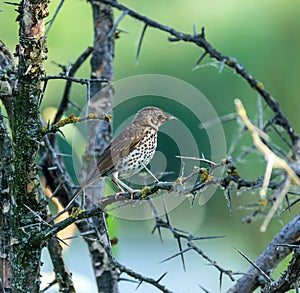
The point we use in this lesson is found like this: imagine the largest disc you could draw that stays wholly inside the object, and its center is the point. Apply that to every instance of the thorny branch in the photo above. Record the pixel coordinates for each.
(142, 279)
(78, 215)
(287, 280)
(179, 235)
(123, 269)
(144, 194)
(231, 176)
(200, 41)
(273, 161)
(206, 178)
(274, 253)
(71, 73)
(74, 79)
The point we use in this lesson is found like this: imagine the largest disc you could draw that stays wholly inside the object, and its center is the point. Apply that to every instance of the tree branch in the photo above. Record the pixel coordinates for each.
(62, 275)
(200, 41)
(99, 100)
(289, 278)
(269, 259)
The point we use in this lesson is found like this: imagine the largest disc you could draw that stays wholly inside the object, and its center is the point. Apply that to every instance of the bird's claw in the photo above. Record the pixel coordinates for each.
(131, 191)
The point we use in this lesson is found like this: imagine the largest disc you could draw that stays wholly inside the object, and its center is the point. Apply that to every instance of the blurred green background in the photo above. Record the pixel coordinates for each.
(264, 37)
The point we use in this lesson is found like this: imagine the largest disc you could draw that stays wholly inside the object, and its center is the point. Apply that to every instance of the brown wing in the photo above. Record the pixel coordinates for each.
(120, 147)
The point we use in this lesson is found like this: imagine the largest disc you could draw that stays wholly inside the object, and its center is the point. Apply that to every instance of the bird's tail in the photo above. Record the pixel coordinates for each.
(91, 178)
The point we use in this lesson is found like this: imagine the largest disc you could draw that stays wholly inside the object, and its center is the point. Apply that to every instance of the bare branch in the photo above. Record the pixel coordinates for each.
(63, 276)
(66, 95)
(272, 159)
(142, 278)
(74, 79)
(281, 194)
(100, 101)
(201, 42)
(50, 23)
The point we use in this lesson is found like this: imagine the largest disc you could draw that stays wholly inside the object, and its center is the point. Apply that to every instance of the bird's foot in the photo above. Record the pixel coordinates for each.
(130, 190)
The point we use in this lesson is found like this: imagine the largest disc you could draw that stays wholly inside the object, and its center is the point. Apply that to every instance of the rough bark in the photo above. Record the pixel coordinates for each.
(99, 136)
(26, 134)
(269, 259)
(5, 204)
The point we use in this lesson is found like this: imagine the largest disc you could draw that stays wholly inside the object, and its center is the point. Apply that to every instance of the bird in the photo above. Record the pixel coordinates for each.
(128, 152)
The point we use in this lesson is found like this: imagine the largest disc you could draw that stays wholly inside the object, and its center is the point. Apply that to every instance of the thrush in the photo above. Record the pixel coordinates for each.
(129, 152)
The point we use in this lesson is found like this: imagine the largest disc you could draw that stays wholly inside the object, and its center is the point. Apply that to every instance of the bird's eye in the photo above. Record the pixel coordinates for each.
(159, 117)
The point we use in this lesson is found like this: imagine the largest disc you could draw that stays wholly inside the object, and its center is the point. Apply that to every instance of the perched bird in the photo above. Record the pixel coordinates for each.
(129, 152)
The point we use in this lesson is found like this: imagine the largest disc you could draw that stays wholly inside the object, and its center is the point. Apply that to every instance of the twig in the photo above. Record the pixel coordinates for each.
(74, 79)
(280, 135)
(268, 173)
(259, 113)
(247, 151)
(142, 278)
(140, 43)
(62, 275)
(216, 121)
(72, 119)
(179, 234)
(253, 264)
(212, 165)
(65, 99)
(279, 199)
(236, 141)
(50, 23)
(150, 173)
(273, 160)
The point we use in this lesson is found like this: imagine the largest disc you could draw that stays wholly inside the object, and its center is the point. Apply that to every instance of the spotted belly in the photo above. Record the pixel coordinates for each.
(139, 157)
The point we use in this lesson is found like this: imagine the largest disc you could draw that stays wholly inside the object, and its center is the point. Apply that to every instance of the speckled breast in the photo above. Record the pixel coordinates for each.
(140, 156)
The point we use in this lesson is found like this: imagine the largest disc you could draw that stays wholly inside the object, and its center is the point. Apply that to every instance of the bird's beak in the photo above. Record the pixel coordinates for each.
(171, 118)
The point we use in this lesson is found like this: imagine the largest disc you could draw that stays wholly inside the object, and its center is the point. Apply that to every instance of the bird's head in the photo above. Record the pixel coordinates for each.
(152, 116)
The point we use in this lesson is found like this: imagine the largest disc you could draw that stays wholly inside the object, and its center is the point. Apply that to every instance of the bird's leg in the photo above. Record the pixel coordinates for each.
(120, 184)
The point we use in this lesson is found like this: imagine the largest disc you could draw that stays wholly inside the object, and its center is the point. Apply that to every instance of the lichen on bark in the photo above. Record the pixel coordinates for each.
(26, 134)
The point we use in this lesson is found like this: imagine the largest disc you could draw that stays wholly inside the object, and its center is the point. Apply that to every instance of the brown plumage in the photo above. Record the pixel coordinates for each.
(130, 151)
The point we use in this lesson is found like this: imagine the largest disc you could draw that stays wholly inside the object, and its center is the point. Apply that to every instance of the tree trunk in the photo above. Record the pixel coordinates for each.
(27, 198)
